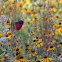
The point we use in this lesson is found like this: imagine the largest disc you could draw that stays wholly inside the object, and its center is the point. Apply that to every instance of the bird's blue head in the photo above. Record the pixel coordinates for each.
(21, 22)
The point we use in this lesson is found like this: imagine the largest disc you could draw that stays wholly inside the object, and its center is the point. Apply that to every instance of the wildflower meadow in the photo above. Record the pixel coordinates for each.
(30, 30)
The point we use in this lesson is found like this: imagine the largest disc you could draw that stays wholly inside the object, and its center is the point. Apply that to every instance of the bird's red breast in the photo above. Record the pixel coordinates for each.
(18, 26)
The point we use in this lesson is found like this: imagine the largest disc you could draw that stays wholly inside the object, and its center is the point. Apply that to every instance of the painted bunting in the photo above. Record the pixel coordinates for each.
(19, 24)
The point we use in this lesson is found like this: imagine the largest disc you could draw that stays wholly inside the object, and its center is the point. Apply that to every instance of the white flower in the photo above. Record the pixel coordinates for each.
(2, 39)
(6, 29)
(59, 58)
(0, 3)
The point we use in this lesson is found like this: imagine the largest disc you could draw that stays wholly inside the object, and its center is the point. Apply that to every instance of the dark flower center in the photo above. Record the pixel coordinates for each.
(36, 37)
(34, 40)
(57, 16)
(61, 43)
(21, 57)
(32, 10)
(40, 6)
(51, 6)
(59, 23)
(33, 51)
(25, 9)
(51, 47)
(35, 18)
(45, 57)
(27, 45)
(59, 54)
(7, 22)
(17, 49)
(38, 61)
(6, 35)
(17, 53)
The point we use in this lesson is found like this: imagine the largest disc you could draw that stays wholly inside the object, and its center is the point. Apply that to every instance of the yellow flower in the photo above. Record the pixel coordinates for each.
(60, 11)
(12, 2)
(8, 32)
(33, 53)
(0, 55)
(9, 42)
(50, 59)
(61, 54)
(28, 11)
(43, 18)
(60, 45)
(52, 9)
(6, 55)
(55, 3)
(8, 26)
(16, 39)
(34, 27)
(16, 60)
(24, 10)
(40, 40)
(9, 0)
(7, 23)
(33, 11)
(35, 38)
(7, 37)
(40, 7)
(21, 59)
(45, 59)
(22, 2)
(41, 44)
(58, 30)
(32, 33)
(3, 6)
(34, 42)
(34, 19)
(17, 3)
(60, 1)
(26, 60)
(51, 48)
(60, 24)
(52, 33)
(56, 17)
(38, 45)
(34, 14)
(52, 42)
(0, 58)
(28, 47)
(0, 34)
(6, 2)
(0, 41)
(30, 19)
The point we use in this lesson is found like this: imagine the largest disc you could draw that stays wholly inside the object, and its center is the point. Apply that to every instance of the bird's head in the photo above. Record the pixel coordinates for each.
(21, 22)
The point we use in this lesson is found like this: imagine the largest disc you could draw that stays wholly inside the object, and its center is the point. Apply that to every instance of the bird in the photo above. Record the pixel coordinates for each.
(19, 24)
